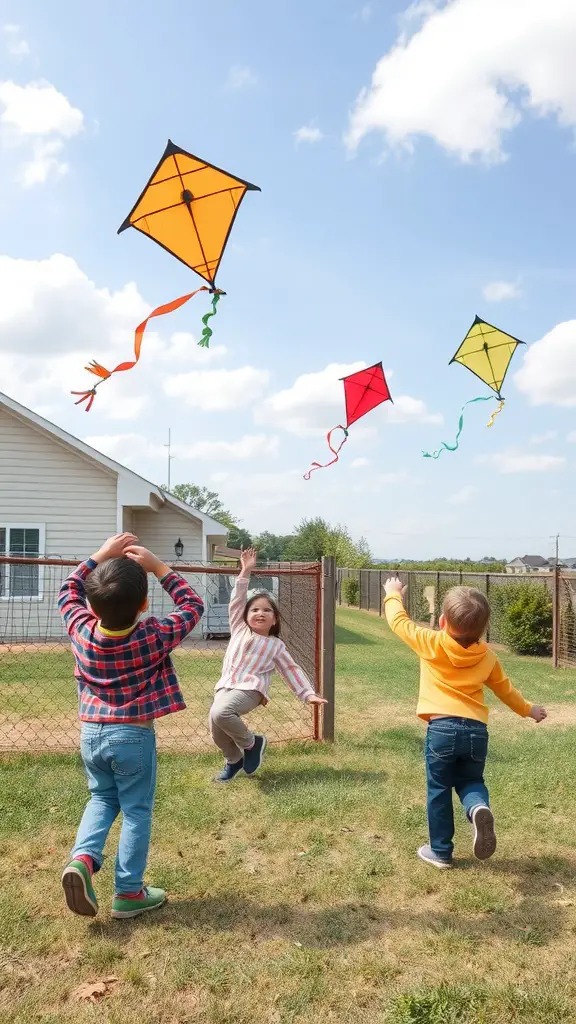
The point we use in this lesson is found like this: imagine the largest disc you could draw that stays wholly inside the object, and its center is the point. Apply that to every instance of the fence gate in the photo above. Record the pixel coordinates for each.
(38, 710)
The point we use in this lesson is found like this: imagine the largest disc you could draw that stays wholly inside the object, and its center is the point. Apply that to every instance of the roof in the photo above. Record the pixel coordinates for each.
(135, 487)
(533, 561)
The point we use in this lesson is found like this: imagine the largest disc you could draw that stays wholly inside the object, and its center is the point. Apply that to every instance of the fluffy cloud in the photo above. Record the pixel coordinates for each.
(314, 403)
(239, 78)
(53, 319)
(132, 448)
(548, 435)
(463, 496)
(572, 437)
(500, 291)
(36, 120)
(308, 133)
(217, 390)
(521, 462)
(16, 45)
(359, 463)
(465, 72)
(548, 373)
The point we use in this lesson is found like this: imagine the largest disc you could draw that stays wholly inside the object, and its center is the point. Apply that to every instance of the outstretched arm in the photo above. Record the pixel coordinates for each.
(240, 590)
(419, 638)
(502, 688)
(295, 677)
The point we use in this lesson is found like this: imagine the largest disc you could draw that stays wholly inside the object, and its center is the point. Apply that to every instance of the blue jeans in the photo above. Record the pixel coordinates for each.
(120, 762)
(456, 750)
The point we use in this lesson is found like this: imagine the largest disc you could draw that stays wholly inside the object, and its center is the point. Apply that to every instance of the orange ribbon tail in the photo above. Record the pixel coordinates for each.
(104, 374)
(335, 451)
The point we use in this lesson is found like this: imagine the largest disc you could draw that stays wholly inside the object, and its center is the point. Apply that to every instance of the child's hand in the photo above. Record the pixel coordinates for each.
(538, 713)
(315, 698)
(145, 558)
(248, 561)
(115, 547)
(394, 586)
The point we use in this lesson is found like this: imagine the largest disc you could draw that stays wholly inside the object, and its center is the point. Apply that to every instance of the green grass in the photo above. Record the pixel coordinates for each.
(296, 896)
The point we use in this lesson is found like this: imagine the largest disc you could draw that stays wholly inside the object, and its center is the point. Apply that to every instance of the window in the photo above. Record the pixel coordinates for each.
(21, 582)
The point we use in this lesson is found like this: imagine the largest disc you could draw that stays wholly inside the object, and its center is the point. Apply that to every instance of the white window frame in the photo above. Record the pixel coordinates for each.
(5, 567)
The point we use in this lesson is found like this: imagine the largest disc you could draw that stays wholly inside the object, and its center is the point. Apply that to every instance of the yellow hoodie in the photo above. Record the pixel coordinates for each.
(452, 677)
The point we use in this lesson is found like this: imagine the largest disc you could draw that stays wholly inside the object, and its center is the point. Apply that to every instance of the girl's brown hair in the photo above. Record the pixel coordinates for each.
(275, 629)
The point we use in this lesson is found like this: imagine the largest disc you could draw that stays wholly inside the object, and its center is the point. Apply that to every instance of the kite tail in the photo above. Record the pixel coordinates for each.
(495, 413)
(452, 447)
(104, 374)
(335, 451)
(207, 332)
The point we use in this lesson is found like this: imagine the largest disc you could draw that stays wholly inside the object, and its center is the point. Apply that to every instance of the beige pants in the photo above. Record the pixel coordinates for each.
(226, 726)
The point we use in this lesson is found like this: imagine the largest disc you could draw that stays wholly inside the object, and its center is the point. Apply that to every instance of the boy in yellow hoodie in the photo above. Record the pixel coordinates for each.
(455, 665)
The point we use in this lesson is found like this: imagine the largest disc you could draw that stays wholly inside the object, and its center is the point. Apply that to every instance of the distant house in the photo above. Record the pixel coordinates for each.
(59, 497)
(528, 563)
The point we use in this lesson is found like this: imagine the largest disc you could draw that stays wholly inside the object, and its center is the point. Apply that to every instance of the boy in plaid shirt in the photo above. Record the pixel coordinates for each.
(125, 680)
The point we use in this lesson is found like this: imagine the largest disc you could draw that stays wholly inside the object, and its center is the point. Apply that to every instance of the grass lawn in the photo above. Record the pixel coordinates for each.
(296, 896)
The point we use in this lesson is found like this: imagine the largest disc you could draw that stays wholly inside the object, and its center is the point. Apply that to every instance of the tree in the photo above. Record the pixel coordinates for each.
(205, 501)
(315, 538)
(271, 547)
(239, 538)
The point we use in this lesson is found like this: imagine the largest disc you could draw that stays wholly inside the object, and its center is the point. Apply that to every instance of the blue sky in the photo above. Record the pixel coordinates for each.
(380, 231)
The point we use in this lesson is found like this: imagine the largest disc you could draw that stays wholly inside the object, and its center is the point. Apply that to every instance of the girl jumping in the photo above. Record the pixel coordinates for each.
(254, 652)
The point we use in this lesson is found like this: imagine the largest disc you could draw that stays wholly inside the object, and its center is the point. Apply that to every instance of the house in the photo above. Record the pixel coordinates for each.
(61, 498)
(528, 563)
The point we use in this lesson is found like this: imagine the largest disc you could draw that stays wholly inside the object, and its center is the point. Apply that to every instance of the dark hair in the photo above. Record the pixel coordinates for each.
(117, 590)
(275, 629)
(467, 612)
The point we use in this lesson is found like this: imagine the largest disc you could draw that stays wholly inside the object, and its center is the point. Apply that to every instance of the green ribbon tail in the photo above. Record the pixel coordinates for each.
(452, 447)
(204, 341)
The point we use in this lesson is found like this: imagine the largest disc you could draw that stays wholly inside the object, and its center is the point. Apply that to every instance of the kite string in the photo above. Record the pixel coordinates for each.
(100, 371)
(452, 447)
(335, 451)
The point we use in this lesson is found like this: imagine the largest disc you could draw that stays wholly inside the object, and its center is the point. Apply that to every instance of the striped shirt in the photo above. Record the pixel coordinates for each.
(251, 659)
(127, 676)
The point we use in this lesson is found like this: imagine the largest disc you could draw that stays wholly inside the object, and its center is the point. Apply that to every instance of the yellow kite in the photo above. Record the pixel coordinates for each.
(188, 207)
(486, 351)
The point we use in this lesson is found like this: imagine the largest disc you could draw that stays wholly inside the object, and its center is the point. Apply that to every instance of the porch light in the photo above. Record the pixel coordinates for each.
(179, 548)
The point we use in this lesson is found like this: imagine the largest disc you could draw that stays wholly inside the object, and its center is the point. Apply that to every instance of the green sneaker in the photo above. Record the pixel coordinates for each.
(78, 889)
(153, 899)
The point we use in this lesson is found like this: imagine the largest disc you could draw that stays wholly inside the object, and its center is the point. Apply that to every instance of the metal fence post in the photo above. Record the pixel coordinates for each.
(488, 599)
(328, 659)
(380, 593)
(556, 617)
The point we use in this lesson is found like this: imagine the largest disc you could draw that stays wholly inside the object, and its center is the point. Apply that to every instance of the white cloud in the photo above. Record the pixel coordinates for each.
(15, 44)
(315, 403)
(572, 437)
(365, 13)
(548, 373)
(239, 78)
(500, 291)
(548, 435)
(36, 120)
(54, 320)
(217, 390)
(463, 496)
(466, 72)
(308, 133)
(132, 448)
(521, 462)
(359, 463)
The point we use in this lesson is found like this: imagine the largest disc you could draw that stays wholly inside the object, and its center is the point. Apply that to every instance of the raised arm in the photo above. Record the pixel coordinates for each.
(240, 590)
(72, 597)
(172, 629)
(419, 638)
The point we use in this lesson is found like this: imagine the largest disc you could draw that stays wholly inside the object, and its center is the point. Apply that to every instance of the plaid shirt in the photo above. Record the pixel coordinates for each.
(129, 676)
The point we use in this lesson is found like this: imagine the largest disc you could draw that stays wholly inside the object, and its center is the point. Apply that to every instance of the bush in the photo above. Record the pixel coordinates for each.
(351, 591)
(524, 614)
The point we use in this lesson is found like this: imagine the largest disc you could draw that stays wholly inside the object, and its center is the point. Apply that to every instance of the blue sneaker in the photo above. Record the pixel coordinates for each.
(426, 853)
(253, 757)
(229, 771)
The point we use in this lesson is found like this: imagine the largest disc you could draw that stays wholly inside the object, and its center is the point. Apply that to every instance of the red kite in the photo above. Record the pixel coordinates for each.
(363, 391)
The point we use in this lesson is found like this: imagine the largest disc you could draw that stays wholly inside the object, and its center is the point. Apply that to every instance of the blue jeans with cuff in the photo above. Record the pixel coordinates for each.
(456, 751)
(120, 763)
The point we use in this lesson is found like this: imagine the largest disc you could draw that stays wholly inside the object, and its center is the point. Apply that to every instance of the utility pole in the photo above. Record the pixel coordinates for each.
(170, 457)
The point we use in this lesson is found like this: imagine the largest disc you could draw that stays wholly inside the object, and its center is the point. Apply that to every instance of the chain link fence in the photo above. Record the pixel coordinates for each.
(38, 705)
(554, 594)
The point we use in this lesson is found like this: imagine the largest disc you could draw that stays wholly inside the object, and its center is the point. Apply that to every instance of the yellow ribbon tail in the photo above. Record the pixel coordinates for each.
(495, 414)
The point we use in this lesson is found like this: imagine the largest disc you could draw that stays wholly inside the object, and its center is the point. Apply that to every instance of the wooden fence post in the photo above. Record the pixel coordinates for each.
(556, 617)
(328, 635)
